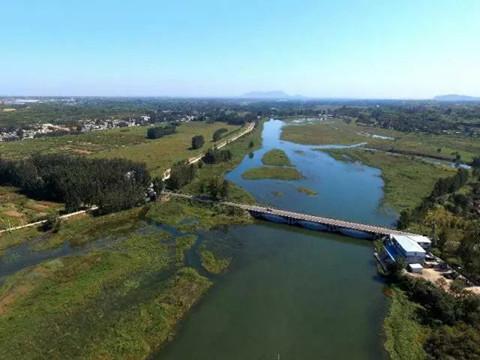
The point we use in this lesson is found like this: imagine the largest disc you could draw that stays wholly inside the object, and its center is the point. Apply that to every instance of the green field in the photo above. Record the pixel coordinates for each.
(276, 157)
(121, 291)
(407, 181)
(339, 132)
(17, 209)
(128, 143)
(272, 172)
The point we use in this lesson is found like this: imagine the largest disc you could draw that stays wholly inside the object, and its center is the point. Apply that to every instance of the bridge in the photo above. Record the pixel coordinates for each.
(308, 221)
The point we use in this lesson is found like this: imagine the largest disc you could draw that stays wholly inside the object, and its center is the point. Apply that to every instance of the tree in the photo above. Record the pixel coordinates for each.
(218, 188)
(214, 156)
(158, 185)
(160, 131)
(218, 134)
(181, 175)
(52, 223)
(197, 141)
(111, 184)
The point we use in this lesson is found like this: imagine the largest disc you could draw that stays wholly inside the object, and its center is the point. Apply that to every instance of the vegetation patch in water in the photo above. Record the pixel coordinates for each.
(407, 181)
(306, 191)
(276, 157)
(207, 216)
(183, 244)
(120, 303)
(277, 193)
(122, 300)
(272, 172)
(213, 264)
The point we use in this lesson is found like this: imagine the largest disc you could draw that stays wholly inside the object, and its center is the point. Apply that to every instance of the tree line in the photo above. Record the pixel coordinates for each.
(451, 213)
(420, 117)
(218, 134)
(160, 131)
(452, 320)
(110, 184)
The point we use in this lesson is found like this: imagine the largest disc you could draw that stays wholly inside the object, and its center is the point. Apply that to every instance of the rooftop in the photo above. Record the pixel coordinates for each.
(420, 239)
(407, 243)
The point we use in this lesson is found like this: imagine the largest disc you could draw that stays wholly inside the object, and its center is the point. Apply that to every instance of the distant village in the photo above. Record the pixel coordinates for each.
(82, 126)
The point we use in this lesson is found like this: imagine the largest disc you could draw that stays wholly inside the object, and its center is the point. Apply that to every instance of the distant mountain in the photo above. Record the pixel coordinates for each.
(456, 98)
(266, 95)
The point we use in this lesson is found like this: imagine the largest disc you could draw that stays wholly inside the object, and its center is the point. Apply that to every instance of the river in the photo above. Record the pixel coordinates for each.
(292, 293)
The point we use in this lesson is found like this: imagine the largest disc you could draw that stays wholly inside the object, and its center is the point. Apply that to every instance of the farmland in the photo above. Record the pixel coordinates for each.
(128, 143)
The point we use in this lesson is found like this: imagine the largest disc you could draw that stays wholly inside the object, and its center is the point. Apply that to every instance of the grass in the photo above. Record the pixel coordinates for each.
(121, 298)
(103, 304)
(306, 191)
(17, 209)
(407, 181)
(128, 143)
(162, 153)
(276, 157)
(183, 244)
(270, 172)
(238, 149)
(404, 335)
(338, 132)
(194, 216)
(213, 264)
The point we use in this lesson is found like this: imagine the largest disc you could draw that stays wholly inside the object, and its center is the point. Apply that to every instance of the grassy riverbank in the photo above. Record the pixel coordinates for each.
(239, 149)
(338, 132)
(118, 294)
(407, 181)
(17, 209)
(404, 335)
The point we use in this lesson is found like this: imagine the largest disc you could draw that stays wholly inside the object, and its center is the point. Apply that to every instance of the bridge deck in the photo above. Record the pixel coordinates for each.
(371, 229)
(374, 229)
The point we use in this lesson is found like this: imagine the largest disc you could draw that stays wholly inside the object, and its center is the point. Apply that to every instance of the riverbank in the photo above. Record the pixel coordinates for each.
(130, 268)
(407, 181)
(337, 131)
(405, 336)
(238, 149)
(101, 277)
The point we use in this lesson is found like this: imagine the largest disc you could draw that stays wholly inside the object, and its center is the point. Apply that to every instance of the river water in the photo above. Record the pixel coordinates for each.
(293, 293)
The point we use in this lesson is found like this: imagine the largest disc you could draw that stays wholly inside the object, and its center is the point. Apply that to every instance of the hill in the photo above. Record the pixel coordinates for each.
(456, 98)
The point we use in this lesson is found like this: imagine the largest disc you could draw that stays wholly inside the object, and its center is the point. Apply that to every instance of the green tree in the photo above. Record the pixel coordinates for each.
(197, 141)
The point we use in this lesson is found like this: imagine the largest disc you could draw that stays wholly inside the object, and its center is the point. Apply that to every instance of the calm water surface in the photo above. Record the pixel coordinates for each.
(293, 293)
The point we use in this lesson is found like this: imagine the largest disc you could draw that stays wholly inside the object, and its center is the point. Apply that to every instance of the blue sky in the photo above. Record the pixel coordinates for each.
(341, 48)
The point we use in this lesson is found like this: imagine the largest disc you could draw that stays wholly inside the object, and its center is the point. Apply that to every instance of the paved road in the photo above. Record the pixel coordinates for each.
(41, 222)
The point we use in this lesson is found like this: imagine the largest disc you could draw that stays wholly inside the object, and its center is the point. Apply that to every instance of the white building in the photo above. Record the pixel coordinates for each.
(405, 248)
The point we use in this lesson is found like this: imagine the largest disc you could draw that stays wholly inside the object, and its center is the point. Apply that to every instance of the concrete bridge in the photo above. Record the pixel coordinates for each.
(307, 221)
